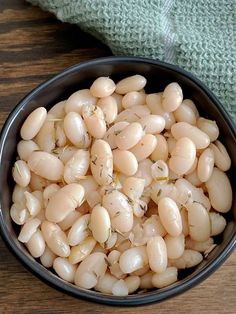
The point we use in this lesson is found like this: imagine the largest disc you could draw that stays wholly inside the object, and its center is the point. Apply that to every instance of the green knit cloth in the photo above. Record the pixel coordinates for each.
(197, 35)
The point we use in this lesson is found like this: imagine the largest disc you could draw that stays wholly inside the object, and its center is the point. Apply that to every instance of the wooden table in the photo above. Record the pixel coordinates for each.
(33, 47)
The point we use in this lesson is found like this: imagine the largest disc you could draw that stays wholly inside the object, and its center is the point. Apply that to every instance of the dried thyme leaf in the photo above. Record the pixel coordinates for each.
(117, 214)
(120, 233)
(161, 178)
(137, 115)
(94, 160)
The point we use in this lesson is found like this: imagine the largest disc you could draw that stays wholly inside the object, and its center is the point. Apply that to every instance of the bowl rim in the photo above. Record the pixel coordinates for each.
(137, 299)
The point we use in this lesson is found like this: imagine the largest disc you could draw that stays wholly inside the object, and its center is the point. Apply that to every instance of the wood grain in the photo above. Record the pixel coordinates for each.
(33, 47)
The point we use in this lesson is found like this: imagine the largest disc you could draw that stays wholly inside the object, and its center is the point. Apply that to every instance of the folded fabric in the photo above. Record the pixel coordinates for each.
(199, 36)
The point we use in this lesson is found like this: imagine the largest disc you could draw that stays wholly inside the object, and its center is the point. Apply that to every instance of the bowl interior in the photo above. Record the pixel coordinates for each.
(81, 76)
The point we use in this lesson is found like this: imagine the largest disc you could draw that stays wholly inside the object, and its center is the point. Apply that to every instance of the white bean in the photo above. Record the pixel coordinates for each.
(185, 113)
(113, 257)
(33, 123)
(191, 104)
(49, 191)
(133, 114)
(105, 283)
(94, 120)
(77, 166)
(21, 173)
(46, 165)
(119, 209)
(29, 228)
(111, 241)
(37, 182)
(101, 163)
(145, 147)
(19, 213)
(76, 101)
(161, 150)
(69, 220)
(64, 269)
(144, 171)
(198, 246)
(188, 193)
(64, 201)
(171, 142)
(194, 166)
(94, 198)
(217, 186)
(79, 230)
(184, 217)
(109, 108)
(120, 288)
(190, 258)
(89, 185)
(205, 165)
(133, 187)
(182, 156)
(60, 136)
(100, 224)
(125, 162)
(222, 159)
(184, 129)
(162, 189)
(32, 203)
(129, 136)
(57, 111)
(160, 171)
(130, 84)
(193, 178)
(116, 271)
(141, 271)
(47, 257)
(166, 278)
(110, 135)
(79, 252)
(153, 227)
(133, 98)
(36, 244)
(133, 259)
(45, 138)
(154, 104)
(65, 153)
(18, 195)
(90, 269)
(172, 97)
(209, 127)
(25, 148)
(174, 245)
(55, 238)
(170, 216)
(152, 124)
(218, 223)
(132, 283)
(76, 131)
(102, 87)
(118, 98)
(146, 281)
(157, 254)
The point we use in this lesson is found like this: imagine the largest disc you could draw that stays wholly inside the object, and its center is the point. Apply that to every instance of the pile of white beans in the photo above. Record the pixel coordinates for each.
(117, 190)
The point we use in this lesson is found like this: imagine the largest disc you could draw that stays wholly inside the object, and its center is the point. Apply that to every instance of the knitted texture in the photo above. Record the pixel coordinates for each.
(197, 35)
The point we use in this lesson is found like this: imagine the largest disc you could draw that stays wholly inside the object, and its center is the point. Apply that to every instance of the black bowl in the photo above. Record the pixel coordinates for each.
(158, 74)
